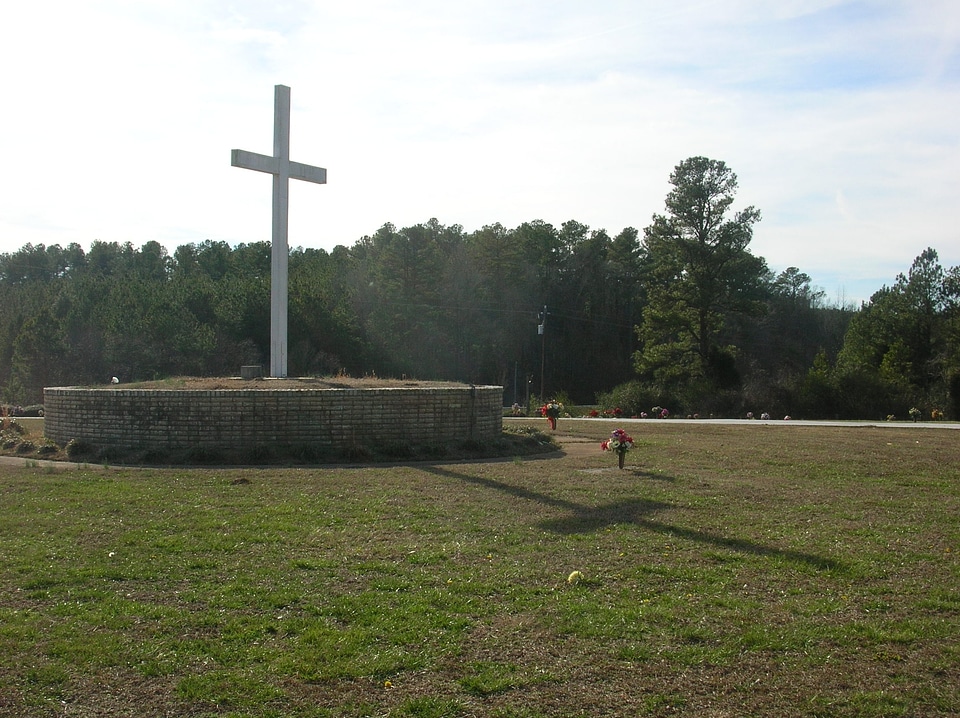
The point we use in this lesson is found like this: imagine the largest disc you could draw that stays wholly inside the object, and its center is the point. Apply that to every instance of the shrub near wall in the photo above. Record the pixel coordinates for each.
(242, 419)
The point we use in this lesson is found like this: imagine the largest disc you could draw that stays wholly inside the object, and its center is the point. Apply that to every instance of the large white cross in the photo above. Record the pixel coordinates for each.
(282, 169)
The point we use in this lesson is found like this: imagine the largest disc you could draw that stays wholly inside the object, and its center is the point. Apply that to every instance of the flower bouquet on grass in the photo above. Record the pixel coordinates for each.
(551, 410)
(619, 442)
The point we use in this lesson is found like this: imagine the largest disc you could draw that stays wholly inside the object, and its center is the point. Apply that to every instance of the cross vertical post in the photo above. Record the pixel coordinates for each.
(282, 169)
(279, 246)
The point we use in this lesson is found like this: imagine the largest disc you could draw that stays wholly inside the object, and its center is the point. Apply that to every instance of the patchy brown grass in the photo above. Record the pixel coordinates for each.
(727, 571)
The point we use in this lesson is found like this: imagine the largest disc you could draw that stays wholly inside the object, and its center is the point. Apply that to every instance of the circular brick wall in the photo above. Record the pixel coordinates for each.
(247, 418)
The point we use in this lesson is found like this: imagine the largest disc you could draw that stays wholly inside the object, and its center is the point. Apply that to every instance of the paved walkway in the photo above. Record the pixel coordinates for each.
(23, 461)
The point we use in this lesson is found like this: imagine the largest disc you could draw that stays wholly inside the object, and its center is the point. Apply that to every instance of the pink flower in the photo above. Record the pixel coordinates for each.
(619, 441)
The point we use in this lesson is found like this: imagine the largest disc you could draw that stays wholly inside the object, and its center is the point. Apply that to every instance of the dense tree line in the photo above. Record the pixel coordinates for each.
(681, 314)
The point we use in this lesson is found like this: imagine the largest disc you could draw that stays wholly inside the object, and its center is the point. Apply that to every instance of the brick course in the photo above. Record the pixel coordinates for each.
(242, 418)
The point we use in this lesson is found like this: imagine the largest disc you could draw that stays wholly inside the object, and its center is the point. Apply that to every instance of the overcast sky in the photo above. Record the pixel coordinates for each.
(839, 118)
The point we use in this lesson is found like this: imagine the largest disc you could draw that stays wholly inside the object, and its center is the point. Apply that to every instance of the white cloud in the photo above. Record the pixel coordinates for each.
(122, 117)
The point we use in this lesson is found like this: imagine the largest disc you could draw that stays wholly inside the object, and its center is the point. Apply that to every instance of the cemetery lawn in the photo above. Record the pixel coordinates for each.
(726, 571)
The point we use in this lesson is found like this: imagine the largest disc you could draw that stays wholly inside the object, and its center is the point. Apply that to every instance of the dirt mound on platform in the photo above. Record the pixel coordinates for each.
(336, 382)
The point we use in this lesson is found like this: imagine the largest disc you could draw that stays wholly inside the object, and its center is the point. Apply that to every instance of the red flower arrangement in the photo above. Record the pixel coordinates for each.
(551, 410)
(619, 442)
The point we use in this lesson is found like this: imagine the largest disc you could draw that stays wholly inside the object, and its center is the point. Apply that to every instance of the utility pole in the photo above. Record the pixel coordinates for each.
(543, 348)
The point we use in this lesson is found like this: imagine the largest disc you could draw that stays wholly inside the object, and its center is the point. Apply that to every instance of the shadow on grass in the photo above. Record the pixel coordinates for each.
(590, 519)
(630, 471)
(822, 563)
(655, 476)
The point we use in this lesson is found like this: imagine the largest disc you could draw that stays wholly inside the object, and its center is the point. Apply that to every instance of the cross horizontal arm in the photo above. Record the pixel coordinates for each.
(253, 161)
(271, 165)
(308, 173)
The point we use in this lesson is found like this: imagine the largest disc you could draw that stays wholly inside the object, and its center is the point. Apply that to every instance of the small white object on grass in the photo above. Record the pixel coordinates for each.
(574, 577)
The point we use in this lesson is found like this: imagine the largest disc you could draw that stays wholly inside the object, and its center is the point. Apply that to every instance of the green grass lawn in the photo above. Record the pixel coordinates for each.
(727, 571)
